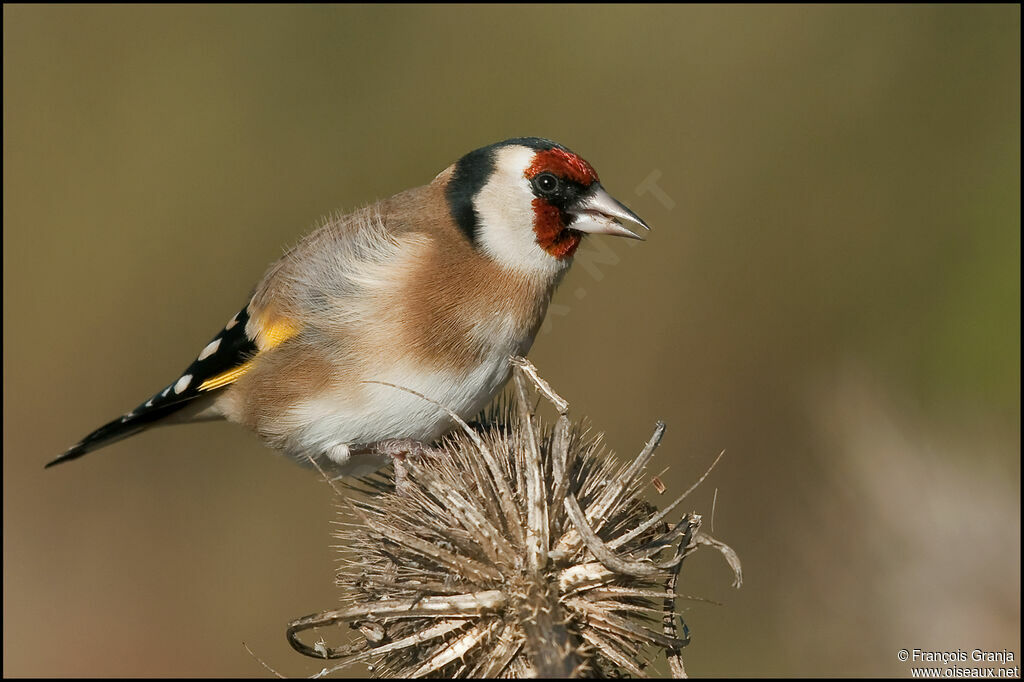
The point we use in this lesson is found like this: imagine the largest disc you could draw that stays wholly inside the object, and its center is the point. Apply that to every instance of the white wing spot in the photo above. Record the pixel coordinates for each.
(182, 383)
(210, 349)
(149, 403)
(232, 322)
(164, 394)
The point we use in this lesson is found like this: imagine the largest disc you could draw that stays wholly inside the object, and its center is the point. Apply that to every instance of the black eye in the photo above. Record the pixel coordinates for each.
(546, 183)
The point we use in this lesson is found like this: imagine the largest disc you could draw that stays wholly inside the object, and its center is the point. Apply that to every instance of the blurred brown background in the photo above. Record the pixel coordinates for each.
(830, 293)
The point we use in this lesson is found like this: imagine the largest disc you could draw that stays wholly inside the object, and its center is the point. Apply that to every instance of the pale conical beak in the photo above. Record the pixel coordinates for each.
(600, 213)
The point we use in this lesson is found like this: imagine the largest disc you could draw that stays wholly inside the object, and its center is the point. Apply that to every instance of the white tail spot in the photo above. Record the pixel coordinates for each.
(210, 349)
(182, 383)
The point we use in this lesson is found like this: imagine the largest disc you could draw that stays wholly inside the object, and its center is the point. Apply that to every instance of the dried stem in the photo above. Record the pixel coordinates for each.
(516, 550)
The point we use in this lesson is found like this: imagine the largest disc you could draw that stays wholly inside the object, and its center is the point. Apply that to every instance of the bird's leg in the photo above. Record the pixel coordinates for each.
(402, 448)
(398, 450)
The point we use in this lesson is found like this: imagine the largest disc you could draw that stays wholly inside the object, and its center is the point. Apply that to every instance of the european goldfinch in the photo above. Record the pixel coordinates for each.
(431, 290)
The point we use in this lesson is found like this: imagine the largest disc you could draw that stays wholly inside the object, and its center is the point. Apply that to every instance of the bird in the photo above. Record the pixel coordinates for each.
(432, 290)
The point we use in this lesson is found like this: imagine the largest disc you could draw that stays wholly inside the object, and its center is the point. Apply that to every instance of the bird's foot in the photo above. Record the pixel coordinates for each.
(398, 450)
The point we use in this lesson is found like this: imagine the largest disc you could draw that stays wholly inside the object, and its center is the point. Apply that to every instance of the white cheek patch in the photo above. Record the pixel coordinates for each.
(504, 208)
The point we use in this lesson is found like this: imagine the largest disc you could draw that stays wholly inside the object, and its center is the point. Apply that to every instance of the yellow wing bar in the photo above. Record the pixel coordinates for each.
(225, 378)
(267, 337)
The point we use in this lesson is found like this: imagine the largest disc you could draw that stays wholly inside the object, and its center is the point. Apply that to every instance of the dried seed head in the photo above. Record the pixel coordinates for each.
(514, 550)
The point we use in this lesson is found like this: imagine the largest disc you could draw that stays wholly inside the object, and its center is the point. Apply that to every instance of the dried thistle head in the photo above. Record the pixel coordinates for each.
(514, 550)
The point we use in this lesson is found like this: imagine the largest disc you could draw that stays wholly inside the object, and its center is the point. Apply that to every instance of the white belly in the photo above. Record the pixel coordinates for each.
(374, 412)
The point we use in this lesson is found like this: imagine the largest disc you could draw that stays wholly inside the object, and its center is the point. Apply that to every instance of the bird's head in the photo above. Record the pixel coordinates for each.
(527, 202)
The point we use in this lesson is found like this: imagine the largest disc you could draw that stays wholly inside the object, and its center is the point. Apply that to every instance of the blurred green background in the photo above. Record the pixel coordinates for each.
(830, 293)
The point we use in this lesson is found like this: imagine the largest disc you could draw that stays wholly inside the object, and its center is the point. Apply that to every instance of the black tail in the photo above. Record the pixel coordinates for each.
(224, 356)
(132, 423)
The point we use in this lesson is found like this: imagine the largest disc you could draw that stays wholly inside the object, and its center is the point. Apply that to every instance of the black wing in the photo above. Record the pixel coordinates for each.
(222, 361)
